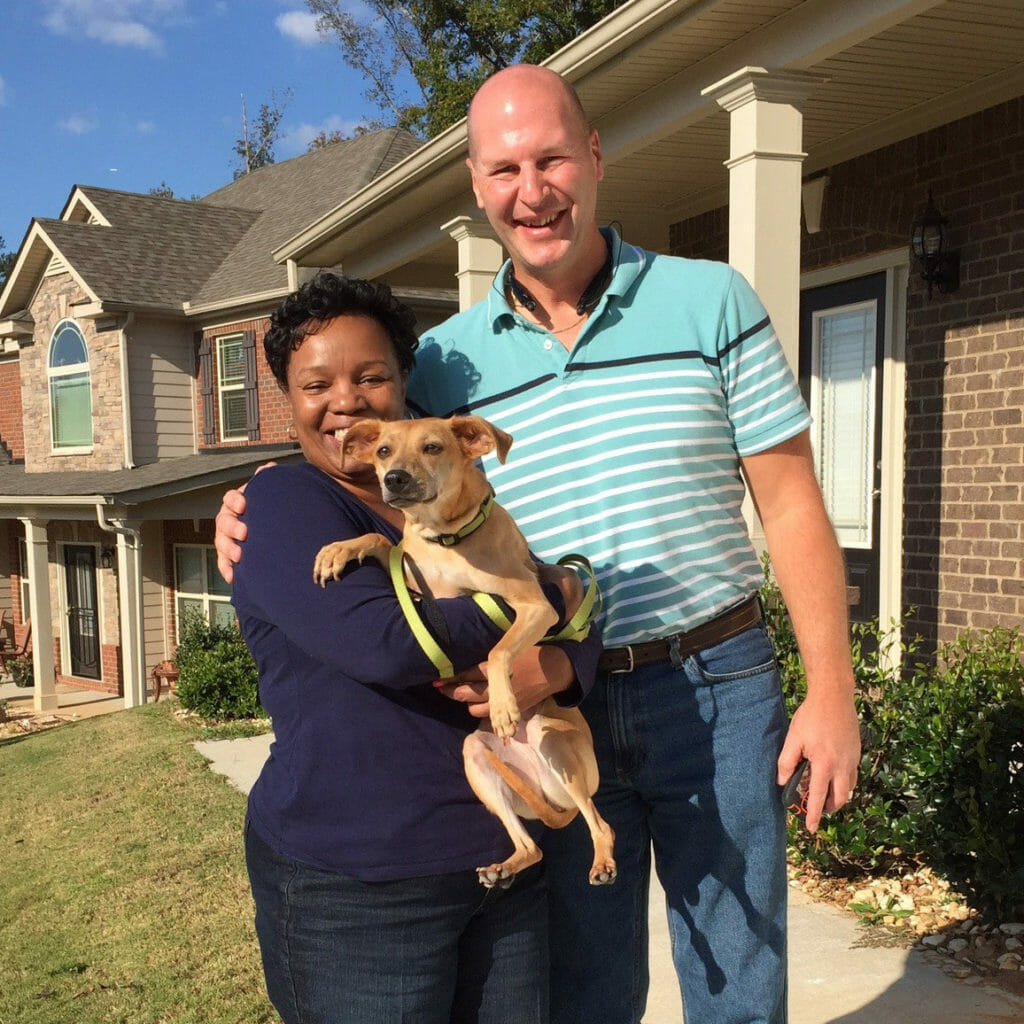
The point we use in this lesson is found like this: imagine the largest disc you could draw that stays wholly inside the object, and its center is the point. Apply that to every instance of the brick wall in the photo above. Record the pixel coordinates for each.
(12, 431)
(963, 541)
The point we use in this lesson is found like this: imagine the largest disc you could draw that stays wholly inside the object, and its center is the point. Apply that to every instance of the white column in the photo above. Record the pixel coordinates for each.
(765, 166)
(44, 695)
(129, 580)
(480, 257)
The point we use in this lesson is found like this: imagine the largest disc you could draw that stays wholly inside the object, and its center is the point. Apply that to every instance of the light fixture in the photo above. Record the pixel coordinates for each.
(107, 557)
(939, 268)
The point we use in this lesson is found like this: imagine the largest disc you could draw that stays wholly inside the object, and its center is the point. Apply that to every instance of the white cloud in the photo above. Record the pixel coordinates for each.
(299, 26)
(133, 23)
(145, 128)
(297, 138)
(3, 92)
(77, 125)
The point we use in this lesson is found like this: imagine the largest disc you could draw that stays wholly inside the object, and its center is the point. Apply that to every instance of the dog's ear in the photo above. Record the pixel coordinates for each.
(361, 439)
(478, 437)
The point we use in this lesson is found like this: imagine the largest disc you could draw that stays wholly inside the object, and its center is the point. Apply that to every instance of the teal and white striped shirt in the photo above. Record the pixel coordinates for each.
(627, 449)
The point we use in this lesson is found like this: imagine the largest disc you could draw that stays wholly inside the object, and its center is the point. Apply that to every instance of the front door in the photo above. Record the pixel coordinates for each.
(841, 345)
(83, 619)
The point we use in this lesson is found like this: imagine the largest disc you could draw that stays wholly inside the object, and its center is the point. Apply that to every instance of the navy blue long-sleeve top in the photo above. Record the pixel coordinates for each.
(365, 775)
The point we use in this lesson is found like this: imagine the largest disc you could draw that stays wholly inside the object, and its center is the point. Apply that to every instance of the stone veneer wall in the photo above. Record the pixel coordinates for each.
(963, 562)
(53, 303)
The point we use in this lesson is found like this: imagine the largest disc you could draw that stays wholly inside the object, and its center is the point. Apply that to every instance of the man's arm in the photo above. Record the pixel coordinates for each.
(808, 565)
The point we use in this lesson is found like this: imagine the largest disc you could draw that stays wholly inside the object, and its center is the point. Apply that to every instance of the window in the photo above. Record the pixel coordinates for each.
(70, 388)
(231, 387)
(198, 585)
(23, 569)
(843, 406)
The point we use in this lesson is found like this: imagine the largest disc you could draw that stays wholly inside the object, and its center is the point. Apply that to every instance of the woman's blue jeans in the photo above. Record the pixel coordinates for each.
(688, 765)
(438, 949)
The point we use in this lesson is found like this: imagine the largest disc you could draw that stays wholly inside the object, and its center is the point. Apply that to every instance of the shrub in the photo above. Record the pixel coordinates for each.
(942, 772)
(217, 674)
(22, 670)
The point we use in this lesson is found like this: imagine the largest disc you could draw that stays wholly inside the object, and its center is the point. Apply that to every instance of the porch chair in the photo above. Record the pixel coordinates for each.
(20, 646)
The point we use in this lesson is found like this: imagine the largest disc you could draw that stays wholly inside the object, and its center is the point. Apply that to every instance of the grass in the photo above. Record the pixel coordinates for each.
(123, 894)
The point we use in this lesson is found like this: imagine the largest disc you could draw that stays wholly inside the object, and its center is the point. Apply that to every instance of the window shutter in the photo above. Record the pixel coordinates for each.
(252, 398)
(206, 390)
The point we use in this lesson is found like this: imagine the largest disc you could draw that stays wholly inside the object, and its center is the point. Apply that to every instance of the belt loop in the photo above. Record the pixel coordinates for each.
(673, 651)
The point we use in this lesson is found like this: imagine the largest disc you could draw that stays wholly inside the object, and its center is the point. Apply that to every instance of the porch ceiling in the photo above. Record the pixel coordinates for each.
(893, 68)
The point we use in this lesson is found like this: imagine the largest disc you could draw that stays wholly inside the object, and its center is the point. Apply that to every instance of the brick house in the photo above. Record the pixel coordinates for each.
(134, 391)
(801, 142)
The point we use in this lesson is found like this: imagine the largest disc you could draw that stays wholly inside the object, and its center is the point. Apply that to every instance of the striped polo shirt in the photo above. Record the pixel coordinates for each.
(626, 449)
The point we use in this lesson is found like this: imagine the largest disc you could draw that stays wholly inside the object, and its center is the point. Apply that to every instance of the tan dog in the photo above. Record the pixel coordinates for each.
(544, 767)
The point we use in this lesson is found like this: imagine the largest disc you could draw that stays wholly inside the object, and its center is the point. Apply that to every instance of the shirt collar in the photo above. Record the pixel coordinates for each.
(628, 263)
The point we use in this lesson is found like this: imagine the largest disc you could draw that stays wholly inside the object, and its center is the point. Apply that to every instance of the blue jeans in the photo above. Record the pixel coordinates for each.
(688, 764)
(439, 949)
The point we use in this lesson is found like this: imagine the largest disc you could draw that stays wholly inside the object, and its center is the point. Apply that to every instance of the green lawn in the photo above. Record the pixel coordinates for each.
(123, 895)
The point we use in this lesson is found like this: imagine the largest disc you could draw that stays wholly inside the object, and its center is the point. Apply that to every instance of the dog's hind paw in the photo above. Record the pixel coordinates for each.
(604, 874)
(495, 876)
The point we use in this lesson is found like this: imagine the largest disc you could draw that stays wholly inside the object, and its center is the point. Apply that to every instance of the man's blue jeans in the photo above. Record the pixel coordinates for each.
(439, 949)
(688, 766)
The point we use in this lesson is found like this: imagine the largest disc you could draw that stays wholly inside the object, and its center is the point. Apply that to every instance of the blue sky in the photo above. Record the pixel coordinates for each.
(127, 94)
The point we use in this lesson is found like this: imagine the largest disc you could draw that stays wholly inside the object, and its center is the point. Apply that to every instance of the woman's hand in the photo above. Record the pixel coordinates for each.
(537, 674)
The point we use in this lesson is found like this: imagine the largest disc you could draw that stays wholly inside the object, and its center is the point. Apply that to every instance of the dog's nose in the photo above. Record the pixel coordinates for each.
(397, 480)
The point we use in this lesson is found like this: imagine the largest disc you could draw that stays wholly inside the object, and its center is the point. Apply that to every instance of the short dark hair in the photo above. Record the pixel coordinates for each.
(327, 296)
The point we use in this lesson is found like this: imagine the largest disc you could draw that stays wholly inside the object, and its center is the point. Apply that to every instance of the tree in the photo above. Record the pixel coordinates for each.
(255, 148)
(448, 46)
(162, 191)
(6, 262)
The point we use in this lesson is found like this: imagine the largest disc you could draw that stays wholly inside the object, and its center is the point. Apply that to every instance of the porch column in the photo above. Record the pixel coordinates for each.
(129, 595)
(765, 160)
(480, 257)
(44, 694)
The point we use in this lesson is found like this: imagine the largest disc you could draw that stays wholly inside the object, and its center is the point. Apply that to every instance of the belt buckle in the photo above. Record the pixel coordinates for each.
(629, 668)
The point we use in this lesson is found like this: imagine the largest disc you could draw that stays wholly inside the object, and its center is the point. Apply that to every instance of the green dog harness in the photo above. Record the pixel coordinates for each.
(576, 629)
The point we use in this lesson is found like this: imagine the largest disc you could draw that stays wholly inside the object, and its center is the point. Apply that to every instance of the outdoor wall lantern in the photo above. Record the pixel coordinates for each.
(939, 268)
(107, 557)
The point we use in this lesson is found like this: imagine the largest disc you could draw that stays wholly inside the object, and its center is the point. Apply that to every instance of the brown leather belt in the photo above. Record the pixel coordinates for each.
(736, 620)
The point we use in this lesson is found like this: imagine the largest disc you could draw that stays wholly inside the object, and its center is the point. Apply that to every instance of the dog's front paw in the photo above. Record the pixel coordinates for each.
(331, 560)
(495, 876)
(603, 873)
(505, 721)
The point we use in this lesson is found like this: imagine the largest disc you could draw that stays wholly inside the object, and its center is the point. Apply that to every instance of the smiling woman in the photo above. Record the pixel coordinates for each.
(363, 836)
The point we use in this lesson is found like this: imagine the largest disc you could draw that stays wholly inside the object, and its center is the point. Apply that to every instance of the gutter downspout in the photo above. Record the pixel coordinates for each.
(129, 588)
(126, 400)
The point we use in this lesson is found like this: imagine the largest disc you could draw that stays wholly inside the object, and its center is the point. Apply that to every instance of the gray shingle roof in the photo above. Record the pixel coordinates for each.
(156, 251)
(291, 195)
(165, 252)
(158, 480)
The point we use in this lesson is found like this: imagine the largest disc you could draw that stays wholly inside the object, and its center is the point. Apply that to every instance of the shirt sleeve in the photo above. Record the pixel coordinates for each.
(764, 403)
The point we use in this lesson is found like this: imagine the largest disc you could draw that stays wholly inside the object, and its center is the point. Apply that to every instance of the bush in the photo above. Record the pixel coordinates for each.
(942, 772)
(217, 674)
(22, 671)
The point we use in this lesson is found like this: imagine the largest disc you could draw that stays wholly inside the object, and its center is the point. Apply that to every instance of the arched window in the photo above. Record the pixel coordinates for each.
(70, 388)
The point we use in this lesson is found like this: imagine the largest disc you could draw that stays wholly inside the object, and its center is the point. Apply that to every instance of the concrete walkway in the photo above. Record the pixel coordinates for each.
(834, 977)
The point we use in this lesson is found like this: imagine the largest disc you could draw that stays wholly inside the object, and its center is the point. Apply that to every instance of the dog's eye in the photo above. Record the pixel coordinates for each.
(383, 451)
(431, 448)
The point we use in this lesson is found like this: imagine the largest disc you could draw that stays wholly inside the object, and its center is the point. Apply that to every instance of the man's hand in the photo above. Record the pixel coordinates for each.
(537, 674)
(231, 531)
(827, 733)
